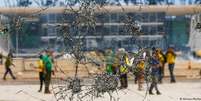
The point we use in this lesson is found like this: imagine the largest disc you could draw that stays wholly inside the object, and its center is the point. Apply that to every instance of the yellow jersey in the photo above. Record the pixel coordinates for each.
(161, 58)
(124, 68)
(141, 65)
(40, 66)
(170, 58)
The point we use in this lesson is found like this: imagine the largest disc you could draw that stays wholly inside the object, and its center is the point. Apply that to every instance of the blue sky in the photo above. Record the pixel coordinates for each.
(13, 2)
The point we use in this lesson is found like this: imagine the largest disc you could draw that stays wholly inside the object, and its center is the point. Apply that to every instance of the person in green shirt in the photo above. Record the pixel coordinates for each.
(110, 56)
(48, 63)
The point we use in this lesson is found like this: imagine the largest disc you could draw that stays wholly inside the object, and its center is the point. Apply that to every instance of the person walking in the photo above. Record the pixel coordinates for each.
(41, 72)
(8, 64)
(171, 56)
(154, 75)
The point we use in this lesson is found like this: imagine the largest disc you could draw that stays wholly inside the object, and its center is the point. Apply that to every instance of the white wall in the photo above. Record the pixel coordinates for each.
(3, 45)
(195, 34)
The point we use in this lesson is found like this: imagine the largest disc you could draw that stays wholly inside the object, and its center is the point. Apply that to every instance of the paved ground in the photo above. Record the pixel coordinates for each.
(184, 90)
(188, 87)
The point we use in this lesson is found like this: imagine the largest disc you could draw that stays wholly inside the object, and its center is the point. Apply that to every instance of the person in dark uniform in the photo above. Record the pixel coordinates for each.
(8, 63)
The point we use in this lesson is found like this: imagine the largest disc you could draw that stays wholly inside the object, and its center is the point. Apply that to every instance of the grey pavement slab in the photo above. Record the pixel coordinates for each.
(180, 91)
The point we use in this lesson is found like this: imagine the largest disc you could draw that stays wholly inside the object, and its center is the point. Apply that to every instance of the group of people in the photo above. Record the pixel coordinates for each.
(121, 63)
(117, 63)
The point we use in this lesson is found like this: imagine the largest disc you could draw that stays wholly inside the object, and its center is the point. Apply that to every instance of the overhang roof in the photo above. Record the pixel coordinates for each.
(175, 10)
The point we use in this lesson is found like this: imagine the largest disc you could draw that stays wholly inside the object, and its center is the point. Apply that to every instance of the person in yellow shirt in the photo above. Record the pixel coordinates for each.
(124, 61)
(162, 60)
(140, 75)
(41, 72)
(171, 57)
